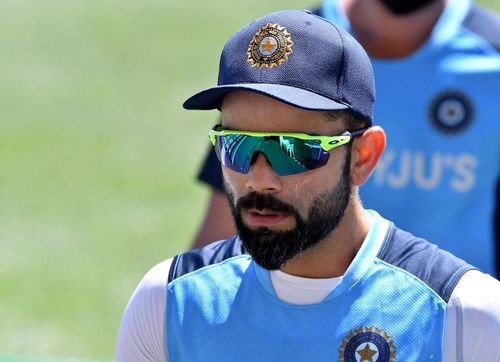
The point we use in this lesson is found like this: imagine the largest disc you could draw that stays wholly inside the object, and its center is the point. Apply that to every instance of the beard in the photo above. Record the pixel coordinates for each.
(272, 249)
(404, 7)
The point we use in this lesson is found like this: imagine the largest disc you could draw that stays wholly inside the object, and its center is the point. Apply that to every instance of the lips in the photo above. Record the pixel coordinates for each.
(260, 218)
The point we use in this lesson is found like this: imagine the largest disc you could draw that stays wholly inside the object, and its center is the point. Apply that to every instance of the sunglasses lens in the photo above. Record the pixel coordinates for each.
(287, 155)
(235, 151)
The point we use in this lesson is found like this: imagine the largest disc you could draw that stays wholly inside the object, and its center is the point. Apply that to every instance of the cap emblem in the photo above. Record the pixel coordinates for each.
(270, 46)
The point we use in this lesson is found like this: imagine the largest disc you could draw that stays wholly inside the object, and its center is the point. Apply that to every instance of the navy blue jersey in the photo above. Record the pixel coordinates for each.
(439, 176)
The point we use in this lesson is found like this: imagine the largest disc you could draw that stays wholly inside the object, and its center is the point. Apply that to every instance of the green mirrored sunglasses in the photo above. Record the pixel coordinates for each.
(287, 153)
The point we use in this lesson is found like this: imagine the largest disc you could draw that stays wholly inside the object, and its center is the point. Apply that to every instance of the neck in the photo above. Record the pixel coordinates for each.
(332, 256)
(386, 35)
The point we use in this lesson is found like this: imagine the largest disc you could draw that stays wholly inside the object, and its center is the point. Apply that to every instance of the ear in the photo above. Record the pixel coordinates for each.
(366, 151)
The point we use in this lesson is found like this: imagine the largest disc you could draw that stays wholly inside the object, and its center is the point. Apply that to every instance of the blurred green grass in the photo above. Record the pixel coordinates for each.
(98, 159)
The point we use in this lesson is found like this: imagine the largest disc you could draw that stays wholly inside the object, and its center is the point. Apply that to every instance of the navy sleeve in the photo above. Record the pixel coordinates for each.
(437, 268)
(213, 253)
(210, 172)
(317, 11)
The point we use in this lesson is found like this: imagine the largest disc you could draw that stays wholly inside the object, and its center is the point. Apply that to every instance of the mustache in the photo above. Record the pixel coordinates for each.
(255, 200)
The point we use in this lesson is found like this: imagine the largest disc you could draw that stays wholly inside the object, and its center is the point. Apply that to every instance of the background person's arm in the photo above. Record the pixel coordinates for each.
(218, 222)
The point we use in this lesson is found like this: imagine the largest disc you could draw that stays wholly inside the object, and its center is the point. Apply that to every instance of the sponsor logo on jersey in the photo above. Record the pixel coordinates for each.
(426, 171)
(451, 112)
(367, 344)
(270, 46)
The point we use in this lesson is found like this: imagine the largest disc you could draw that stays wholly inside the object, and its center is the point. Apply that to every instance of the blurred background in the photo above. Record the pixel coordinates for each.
(98, 160)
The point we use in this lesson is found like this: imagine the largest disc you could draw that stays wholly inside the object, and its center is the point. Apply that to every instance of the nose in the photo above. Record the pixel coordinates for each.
(262, 178)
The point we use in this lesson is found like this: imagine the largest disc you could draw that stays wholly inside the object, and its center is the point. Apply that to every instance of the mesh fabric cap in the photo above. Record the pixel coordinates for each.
(325, 70)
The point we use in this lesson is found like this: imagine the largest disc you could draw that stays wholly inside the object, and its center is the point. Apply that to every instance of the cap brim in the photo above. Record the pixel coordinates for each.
(212, 98)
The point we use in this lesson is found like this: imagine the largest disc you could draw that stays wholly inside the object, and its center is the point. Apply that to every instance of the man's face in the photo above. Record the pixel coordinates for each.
(278, 217)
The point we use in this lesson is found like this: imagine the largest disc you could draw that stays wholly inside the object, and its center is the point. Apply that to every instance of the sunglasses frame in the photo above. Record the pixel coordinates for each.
(326, 142)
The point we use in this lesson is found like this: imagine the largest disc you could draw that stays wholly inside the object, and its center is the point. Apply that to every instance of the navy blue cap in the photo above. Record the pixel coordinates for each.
(298, 58)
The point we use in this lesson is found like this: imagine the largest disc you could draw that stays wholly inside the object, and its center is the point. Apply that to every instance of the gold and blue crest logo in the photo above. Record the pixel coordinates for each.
(270, 46)
(367, 344)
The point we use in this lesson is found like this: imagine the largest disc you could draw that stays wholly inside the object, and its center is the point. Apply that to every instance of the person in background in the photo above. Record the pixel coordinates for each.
(437, 66)
(311, 274)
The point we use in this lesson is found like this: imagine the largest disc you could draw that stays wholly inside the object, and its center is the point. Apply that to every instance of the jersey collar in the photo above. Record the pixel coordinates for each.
(362, 262)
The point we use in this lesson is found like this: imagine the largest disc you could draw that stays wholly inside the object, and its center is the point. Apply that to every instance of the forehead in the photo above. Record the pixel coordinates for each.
(250, 111)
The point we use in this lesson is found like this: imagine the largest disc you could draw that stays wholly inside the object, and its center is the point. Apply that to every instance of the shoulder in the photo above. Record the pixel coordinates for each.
(473, 317)
(153, 285)
(484, 23)
(438, 269)
(214, 253)
(141, 332)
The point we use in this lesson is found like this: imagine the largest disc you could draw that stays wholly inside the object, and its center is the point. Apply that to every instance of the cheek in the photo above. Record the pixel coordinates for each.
(233, 181)
(300, 190)
(316, 181)
(332, 172)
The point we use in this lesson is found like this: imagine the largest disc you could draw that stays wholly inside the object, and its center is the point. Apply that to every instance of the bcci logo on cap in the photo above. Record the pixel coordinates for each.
(367, 344)
(270, 46)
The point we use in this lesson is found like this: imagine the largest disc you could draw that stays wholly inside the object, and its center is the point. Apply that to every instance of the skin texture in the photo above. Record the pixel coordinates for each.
(383, 35)
(253, 112)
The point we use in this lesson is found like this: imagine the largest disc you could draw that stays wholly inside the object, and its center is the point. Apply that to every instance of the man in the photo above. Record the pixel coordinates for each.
(436, 68)
(325, 279)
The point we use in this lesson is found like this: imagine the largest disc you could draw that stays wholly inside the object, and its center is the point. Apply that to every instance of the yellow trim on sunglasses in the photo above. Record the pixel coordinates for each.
(326, 142)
